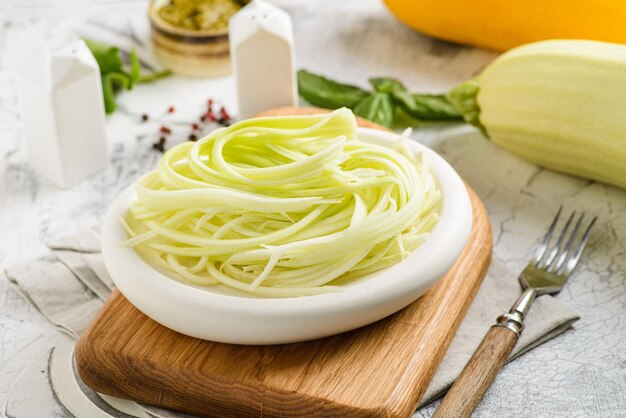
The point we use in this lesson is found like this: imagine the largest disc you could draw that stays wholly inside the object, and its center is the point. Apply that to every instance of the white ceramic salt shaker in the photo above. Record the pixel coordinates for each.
(262, 54)
(62, 110)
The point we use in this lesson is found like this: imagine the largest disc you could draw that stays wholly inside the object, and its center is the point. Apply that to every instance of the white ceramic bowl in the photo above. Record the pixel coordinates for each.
(212, 314)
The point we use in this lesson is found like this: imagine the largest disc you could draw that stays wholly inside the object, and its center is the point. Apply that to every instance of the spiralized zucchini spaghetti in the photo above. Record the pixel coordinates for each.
(283, 206)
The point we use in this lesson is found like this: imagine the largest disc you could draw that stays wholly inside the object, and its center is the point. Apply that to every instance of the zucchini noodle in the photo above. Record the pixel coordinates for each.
(283, 206)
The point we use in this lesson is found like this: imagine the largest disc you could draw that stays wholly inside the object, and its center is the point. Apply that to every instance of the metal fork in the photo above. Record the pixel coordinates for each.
(546, 273)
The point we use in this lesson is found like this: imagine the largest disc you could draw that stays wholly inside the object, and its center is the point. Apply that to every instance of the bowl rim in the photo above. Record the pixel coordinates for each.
(435, 256)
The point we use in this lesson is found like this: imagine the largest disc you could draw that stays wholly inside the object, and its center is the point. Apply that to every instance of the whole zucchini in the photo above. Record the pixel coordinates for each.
(560, 104)
(503, 25)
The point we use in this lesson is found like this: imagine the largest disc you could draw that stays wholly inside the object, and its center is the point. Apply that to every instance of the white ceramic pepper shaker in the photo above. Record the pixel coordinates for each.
(262, 55)
(62, 112)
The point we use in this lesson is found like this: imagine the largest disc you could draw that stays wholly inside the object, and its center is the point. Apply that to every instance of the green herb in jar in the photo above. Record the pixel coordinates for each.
(209, 15)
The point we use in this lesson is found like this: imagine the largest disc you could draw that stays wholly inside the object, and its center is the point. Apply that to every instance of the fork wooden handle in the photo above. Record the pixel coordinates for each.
(479, 372)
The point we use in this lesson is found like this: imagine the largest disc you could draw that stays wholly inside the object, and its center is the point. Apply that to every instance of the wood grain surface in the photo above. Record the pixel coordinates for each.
(382, 369)
(477, 375)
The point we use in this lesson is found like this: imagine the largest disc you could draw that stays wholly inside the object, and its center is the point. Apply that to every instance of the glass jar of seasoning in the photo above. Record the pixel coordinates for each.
(191, 36)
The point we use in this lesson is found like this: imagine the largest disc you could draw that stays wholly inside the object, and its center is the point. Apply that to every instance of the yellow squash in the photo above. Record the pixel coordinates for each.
(560, 104)
(502, 25)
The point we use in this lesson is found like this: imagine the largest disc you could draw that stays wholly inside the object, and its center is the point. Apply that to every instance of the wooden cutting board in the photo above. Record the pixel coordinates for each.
(382, 369)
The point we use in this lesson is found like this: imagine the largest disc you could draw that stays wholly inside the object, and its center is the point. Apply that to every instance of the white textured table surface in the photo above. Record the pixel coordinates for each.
(582, 373)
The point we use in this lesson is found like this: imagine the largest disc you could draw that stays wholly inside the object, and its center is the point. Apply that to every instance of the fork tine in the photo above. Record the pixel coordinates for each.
(569, 266)
(558, 261)
(546, 239)
(555, 249)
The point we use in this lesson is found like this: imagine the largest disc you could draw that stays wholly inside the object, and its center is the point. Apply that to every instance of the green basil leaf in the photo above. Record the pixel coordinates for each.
(111, 83)
(322, 92)
(402, 120)
(135, 67)
(429, 107)
(377, 107)
(121, 81)
(154, 76)
(108, 94)
(387, 85)
(419, 106)
(405, 100)
(114, 78)
(107, 56)
(398, 92)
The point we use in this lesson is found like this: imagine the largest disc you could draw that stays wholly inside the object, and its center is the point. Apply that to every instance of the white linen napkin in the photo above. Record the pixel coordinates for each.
(70, 289)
